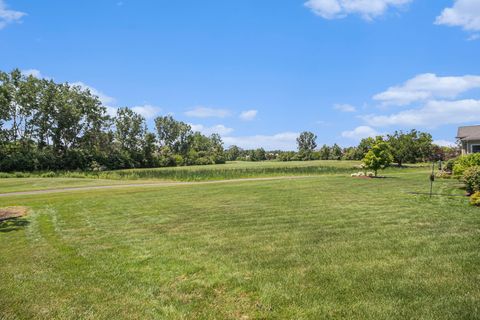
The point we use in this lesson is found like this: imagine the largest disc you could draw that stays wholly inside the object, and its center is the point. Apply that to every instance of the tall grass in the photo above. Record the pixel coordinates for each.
(233, 170)
(219, 173)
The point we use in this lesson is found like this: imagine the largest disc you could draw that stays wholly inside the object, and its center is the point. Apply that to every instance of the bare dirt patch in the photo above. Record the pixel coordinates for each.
(12, 212)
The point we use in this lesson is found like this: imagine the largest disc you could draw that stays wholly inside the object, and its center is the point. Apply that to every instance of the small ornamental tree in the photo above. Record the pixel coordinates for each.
(378, 157)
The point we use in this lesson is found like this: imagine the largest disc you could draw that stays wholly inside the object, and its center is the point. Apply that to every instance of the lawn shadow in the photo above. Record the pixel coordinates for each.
(13, 224)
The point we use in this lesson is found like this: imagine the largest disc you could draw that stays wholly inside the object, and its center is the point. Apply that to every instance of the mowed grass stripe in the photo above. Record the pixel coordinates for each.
(328, 247)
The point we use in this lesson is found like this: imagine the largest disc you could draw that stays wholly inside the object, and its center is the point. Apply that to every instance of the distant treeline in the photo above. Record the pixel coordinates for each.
(46, 126)
(406, 147)
(49, 126)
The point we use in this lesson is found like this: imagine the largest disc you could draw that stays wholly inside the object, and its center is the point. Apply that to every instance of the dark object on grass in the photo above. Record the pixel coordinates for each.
(13, 224)
(432, 179)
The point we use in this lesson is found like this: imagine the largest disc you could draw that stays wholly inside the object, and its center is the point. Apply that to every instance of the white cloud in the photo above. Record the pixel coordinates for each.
(9, 16)
(368, 9)
(282, 141)
(204, 112)
(219, 128)
(444, 143)
(428, 86)
(105, 99)
(360, 132)
(433, 114)
(147, 111)
(33, 72)
(344, 108)
(248, 115)
(464, 13)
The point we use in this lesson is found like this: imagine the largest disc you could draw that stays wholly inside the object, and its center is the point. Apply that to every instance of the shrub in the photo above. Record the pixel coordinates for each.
(49, 174)
(471, 177)
(203, 161)
(465, 162)
(448, 166)
(475, 199)
(178, 160)
(96, 167)
(21, 174)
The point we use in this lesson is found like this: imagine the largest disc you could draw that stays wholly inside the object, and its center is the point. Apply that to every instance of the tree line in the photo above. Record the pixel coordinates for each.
(406, 147)
(57, 126)
(46, 125)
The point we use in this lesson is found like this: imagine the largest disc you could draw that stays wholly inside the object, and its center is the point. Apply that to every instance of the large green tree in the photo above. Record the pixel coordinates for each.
(130, 131)
(410, 147)
(175, 135)
(307, 143)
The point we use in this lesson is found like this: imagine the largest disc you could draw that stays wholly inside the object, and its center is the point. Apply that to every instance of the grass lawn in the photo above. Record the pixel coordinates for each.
(328, 246)
(31, 184)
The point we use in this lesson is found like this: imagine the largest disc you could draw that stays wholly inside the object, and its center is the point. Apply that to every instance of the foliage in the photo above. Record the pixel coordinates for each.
(306, 145)
(363, 147)
(475, 199)
(233, 153)
(325, 152)
(50, 126)
(335, 152)
(449, 165)
(471, 178)
(465, 162)
(410, 147)
(440, 153)
(379, 157)
(288, 156)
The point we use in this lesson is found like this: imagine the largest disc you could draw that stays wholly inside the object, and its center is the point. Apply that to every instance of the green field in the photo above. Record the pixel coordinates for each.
(322, 247)
(27, 184)
(231, 170)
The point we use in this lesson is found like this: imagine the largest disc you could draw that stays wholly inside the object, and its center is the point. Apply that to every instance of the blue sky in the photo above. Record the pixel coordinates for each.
(260, 72)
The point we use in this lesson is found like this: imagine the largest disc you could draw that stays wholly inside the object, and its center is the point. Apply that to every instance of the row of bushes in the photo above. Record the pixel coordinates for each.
(467, 169)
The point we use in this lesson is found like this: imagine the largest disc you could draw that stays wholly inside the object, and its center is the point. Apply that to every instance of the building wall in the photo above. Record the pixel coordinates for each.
(467, 146)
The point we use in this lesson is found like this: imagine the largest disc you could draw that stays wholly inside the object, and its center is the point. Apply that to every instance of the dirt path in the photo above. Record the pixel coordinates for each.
(153, 184)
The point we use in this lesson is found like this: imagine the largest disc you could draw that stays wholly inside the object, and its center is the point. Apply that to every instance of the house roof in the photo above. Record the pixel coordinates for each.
(469, 133)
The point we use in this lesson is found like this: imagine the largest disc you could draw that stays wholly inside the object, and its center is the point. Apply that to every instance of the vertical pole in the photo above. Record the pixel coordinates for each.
(432, 179)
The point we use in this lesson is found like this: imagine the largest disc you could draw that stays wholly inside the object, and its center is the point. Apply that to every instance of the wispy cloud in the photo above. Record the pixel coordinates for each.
(105, 99)
(345, 108)
(8, 16)
(463, 13)
(473, 37)
(430, 101)
(433, 114)
(444, 143)
(360, 132)
(147, 111)
(248, 115)
(219, 128)
(280, 141)
(34, 73)
(205, 112)
(368, 9)
(428, 86)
